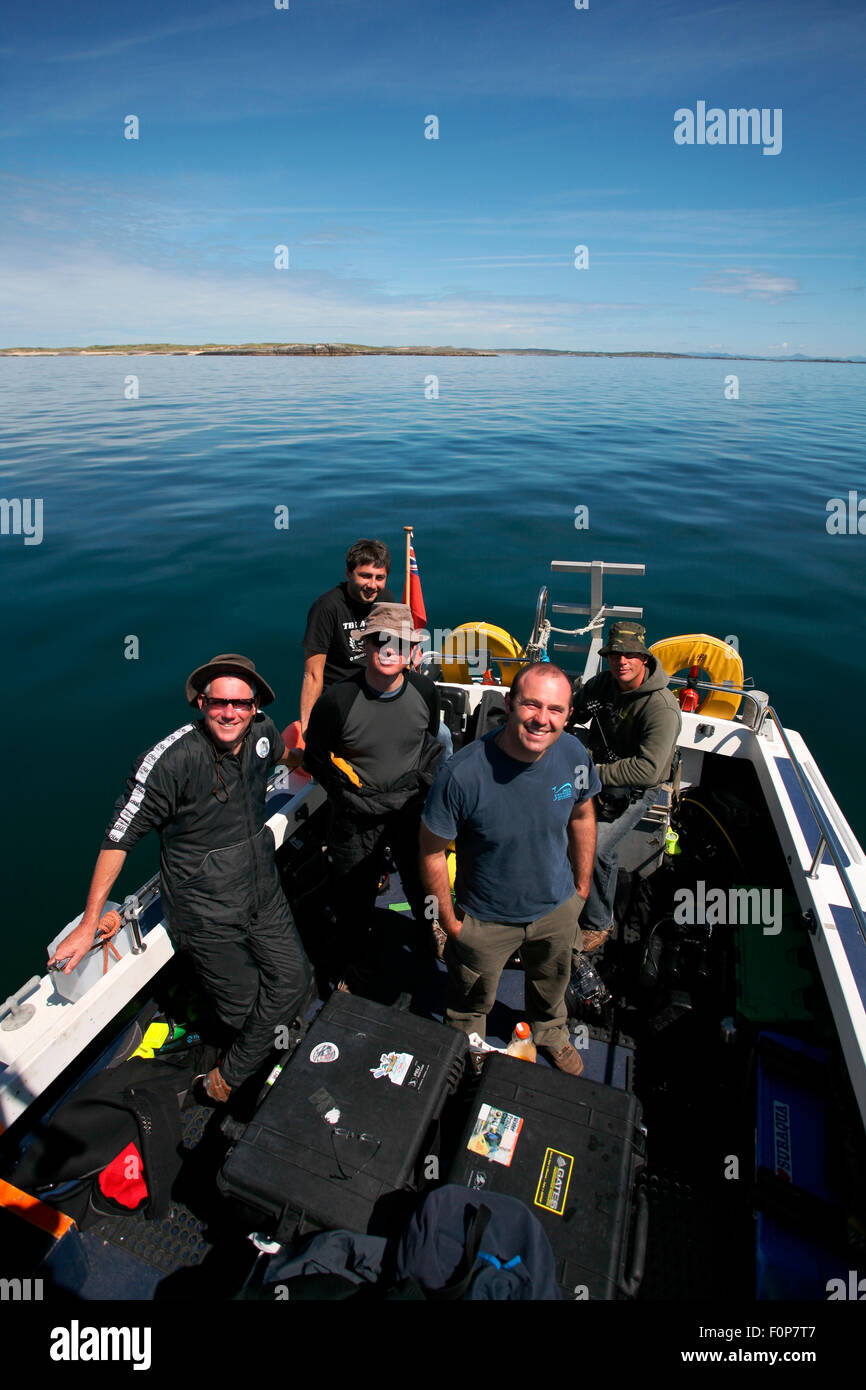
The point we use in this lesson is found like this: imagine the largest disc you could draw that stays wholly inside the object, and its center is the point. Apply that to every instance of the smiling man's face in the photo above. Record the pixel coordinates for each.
(627, 668)
(225, 721)
(537, 714)
(366, 582)
(387, 656)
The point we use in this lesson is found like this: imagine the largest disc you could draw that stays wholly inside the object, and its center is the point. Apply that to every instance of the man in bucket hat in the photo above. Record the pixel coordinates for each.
(371, 742)
(632, 738)
(203, 790)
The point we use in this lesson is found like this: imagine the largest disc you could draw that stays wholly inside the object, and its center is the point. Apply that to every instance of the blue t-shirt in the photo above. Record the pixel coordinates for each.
(508, 819)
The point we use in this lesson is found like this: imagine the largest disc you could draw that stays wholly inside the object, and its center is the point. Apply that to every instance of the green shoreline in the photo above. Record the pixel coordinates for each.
(362, 350)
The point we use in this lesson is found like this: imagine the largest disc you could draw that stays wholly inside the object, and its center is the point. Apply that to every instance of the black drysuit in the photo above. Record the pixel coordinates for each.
(220, 888)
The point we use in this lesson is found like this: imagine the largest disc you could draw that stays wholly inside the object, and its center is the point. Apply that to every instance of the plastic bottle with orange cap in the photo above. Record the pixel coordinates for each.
(521, 1044)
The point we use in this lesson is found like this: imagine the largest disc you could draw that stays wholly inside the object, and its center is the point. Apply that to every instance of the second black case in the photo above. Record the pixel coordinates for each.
(570, 1149)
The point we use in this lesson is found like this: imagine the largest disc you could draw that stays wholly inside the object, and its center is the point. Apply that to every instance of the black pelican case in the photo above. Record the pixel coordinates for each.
(352, 1118)
(571, 1150)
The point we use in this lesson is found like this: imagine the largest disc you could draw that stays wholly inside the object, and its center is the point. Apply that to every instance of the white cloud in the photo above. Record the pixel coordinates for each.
(750, 284)
(81, 301)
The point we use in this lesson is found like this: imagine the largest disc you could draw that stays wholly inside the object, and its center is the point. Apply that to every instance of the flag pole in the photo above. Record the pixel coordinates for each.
(406, 587)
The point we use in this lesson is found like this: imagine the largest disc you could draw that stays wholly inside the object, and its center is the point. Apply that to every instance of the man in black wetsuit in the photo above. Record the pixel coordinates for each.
(371, 743)
(333, 641)
(202, 788)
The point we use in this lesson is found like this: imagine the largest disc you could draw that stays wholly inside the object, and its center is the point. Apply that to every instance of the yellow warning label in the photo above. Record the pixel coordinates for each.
(553, 1181)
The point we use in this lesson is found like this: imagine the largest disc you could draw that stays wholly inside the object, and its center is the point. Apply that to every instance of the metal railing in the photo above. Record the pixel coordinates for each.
(761, 711)
(756, 698)
(822, 821)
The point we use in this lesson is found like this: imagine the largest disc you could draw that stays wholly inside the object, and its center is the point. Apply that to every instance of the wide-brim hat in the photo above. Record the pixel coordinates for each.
(628, 638)
(392, 617)
(228, 664)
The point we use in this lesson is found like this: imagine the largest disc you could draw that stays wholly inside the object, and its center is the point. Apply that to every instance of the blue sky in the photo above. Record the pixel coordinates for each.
(305, 127)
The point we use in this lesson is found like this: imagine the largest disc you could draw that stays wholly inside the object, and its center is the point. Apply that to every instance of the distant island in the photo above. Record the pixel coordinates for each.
(363, 350)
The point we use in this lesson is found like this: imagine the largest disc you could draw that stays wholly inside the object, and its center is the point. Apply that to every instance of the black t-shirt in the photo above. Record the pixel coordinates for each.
(382, 736)
(333, 623)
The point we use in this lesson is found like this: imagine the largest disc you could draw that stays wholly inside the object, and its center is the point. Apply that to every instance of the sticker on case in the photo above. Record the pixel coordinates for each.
(394, 1065)
(325, 1052)
(418, 1075)
(494, 1135)
(553, 1181)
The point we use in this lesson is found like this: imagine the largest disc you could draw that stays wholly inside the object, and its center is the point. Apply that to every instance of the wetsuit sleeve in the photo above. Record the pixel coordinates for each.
(324, 732)
(151, 796)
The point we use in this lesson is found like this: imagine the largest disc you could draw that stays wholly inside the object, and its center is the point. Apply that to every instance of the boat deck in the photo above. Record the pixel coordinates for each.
(688, 1084)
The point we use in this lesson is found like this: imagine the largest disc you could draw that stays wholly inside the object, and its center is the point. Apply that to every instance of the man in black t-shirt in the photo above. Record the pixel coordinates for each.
(333, 646)
(372, 744)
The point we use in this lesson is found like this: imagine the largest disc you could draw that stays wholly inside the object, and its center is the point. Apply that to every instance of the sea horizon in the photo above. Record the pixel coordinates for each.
(339, 349)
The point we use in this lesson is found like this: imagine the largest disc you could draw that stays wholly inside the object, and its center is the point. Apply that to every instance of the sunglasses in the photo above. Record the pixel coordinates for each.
(388, 639)
(217, 702)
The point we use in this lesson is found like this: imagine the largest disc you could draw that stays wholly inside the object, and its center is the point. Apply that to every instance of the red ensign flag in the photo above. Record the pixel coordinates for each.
(412, 593)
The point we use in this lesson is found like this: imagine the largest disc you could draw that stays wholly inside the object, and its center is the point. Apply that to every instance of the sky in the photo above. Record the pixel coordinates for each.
(308, 128)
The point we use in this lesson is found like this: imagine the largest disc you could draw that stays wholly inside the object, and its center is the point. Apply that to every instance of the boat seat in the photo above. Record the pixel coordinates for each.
(454, 706)
(491, 713)
(642, 850)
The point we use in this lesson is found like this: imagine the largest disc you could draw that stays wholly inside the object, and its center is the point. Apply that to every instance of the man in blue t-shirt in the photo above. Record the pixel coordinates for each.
(518, 803)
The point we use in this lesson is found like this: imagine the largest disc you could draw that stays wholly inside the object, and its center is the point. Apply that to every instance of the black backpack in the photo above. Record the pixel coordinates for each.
(468, 1245)
(137, 1102)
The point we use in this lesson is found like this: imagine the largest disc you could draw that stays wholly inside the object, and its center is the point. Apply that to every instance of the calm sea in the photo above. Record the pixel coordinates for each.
(159, 524)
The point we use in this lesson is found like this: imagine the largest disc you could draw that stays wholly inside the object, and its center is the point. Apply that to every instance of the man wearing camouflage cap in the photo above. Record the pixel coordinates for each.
(632, 738)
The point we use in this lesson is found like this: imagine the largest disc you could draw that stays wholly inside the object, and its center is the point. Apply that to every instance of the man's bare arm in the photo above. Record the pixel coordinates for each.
(79, 941)
(290, 757)
(433, 866)
(311, 686)
(581, 844)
